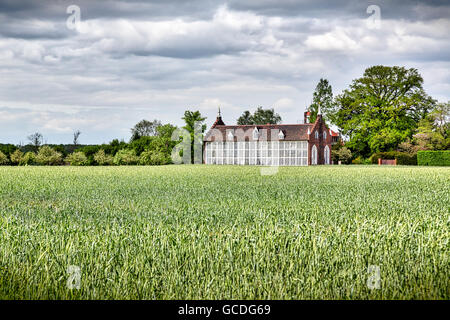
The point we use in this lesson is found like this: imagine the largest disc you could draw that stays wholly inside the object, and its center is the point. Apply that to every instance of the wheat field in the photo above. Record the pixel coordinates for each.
(224, 232)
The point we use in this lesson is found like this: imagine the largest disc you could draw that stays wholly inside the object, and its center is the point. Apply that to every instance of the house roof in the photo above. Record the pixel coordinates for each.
(292, 132)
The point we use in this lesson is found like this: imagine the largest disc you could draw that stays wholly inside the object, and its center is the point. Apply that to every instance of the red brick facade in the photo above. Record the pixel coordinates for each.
(291, 132)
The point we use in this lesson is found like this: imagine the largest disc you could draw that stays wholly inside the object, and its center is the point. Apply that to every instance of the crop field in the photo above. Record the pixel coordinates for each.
(224, 232)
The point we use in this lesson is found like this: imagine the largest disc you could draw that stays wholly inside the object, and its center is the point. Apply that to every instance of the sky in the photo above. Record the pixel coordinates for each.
(119, 62)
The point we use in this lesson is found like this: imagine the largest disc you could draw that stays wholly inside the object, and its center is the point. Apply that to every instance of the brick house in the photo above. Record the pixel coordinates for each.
(270, 144)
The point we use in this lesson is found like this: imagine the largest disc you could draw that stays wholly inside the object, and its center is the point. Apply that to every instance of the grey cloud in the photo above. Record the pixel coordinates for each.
(156, 59)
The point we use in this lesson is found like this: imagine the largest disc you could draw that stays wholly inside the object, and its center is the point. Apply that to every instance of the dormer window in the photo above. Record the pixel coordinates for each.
(281, 135)
(255, 134)
(316, 134)
(230, 135)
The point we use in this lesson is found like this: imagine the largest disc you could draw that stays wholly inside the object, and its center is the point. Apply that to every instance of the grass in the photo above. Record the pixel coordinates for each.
(224, 232)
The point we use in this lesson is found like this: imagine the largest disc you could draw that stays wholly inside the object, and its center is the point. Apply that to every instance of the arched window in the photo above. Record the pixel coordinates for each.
(324, 135)
(326, 155)
(314, 155)
(316, 134)
(281, 135)
(255, 134)
(230, 135)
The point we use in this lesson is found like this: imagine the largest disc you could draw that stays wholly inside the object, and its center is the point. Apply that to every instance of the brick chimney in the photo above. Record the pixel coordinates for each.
(307, 114)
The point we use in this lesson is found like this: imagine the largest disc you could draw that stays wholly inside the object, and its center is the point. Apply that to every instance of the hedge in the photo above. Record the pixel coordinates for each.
(433, 158)
(403, 158)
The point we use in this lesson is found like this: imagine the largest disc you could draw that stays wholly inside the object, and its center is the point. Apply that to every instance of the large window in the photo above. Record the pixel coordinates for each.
(266, 153)
(314, 155)
(326, 155)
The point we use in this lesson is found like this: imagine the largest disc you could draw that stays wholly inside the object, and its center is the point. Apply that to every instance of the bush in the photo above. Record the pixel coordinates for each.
(343, 154)
(3, 159)
(126, 157)
(102, 158)
(433, 158)
(77, 159)
(403, 158)
(48, 156)
(361, 160)
(154, 158)
(28, 159)
(7, 149)
(16, 157)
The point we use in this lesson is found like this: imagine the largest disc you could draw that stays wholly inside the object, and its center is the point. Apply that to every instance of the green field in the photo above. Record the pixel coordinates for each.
(224, 232)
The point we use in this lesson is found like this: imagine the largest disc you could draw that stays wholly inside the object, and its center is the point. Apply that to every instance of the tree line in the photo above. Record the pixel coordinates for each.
(151, 143)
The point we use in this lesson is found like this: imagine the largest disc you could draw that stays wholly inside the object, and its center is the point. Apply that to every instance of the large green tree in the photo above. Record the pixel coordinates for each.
(323, 97)
(195, 125)
(433, 132)
(260, 116)
(144, 128)
(381, 109)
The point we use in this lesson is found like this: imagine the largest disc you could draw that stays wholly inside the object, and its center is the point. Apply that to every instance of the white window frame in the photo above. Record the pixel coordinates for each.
(314, 155)
(326, 154)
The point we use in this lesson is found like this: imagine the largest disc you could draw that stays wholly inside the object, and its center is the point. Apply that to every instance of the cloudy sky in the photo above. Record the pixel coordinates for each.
(124, 61)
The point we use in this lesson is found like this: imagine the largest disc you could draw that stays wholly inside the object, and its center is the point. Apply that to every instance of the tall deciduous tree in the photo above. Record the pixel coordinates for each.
(196, 127)
(381, 109)
(76, 137)
(260, 116)
(144, 128)
(36, 140)
(323, 97)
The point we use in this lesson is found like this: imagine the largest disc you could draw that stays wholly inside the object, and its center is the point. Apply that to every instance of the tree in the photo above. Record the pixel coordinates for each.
(103, 159)
(196, 127)
(246, 118)
(144, 128)
(3, 159)
(260, 116)
(76, 136)
(125, 157)
(342, 154)
(154, 158)
(16, 157)
(77, 159)
(323, 97)
(381, 109)
(36, 140)
(48, 156)
(441, 119)
(433, 132)
(165, 131)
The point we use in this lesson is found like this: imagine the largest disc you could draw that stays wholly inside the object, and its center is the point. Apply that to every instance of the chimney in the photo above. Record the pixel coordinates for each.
(307, 114)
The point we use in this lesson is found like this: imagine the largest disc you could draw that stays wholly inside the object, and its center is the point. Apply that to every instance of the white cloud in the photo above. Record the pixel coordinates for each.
(137, 63)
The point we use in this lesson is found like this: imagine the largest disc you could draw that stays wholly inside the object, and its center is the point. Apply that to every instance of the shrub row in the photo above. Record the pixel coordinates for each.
(403, 158)
(433, 158)
(50, 157)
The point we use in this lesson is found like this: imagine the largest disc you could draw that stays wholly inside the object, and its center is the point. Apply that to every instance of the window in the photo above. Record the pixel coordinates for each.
(281, 135)
(316, 134)
(324, 135)
(289, 153)
(314, 155)
(230, 135)
(326, 155)
(255, 133)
